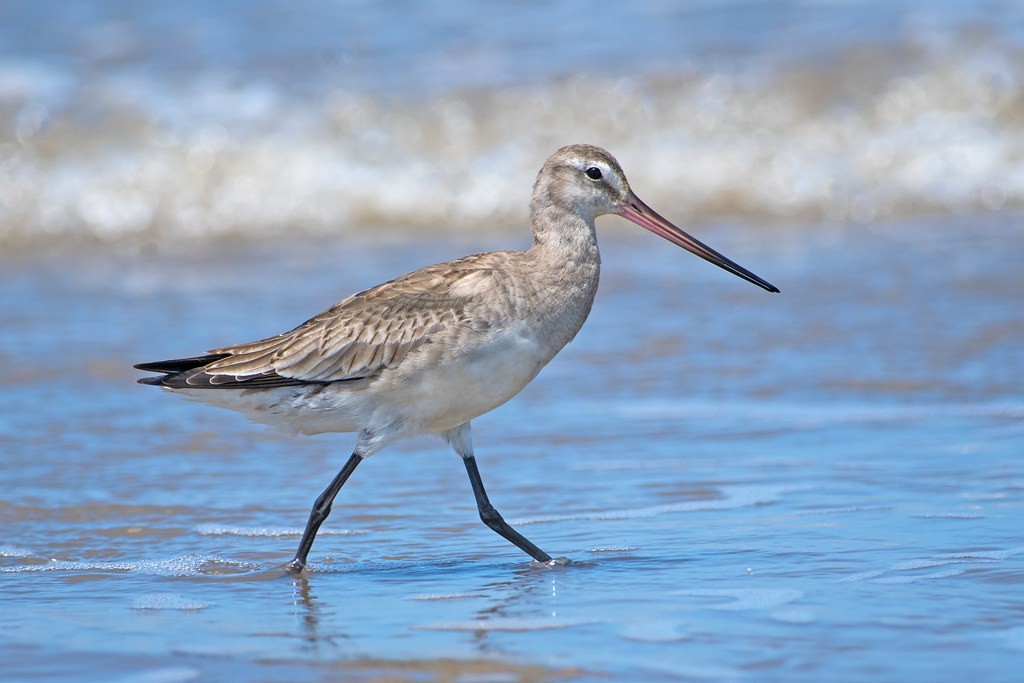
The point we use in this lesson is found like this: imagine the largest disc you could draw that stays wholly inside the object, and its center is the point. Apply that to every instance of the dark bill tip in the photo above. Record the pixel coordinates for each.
(636, 211)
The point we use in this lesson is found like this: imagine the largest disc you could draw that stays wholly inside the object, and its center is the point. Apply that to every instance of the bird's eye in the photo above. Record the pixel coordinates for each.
(594, 173)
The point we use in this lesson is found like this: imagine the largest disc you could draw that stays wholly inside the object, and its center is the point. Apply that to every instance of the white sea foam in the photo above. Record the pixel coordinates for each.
(217, 530)
(169, 601)
(187, 565)
(121, 149)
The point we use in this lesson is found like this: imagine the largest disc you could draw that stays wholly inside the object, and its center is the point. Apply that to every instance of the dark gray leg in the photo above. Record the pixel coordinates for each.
(322, 508)
(492, 519)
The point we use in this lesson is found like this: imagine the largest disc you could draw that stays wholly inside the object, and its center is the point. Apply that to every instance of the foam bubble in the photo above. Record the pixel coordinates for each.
(171, 601)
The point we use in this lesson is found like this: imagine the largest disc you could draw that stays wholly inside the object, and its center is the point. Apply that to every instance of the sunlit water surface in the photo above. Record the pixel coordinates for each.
(820, 485)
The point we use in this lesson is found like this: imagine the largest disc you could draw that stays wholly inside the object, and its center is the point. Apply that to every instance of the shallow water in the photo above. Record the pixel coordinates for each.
(820, 485)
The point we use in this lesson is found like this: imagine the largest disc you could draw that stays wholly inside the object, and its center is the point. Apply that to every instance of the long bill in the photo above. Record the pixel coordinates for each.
(635, 210)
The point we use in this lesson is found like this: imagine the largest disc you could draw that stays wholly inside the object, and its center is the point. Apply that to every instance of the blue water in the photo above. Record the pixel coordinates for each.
(435, 47)
(820, 485)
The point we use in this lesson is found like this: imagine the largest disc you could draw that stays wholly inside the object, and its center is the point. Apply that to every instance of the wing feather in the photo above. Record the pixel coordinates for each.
(366, 333)
(362, 335)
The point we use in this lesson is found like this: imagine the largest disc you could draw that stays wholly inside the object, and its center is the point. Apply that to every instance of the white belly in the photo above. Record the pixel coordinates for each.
(450, 394)
(400, 402)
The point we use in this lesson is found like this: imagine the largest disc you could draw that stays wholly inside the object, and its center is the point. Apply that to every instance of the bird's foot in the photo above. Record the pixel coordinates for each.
(552, 563)
(296, 566)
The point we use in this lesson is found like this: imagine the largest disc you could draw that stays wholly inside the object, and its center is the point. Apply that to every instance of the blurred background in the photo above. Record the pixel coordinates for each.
(122, 119)
(820, 485)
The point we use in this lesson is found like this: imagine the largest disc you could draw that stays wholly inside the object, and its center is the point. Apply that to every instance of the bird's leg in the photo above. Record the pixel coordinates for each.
(494, 520)
(322, 508)
(461, 440)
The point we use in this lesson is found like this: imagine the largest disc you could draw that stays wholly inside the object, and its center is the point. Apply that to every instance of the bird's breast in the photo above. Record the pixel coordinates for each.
(469, 380)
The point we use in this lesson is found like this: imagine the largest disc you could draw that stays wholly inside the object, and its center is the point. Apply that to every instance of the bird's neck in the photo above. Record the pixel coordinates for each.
(565, 269)
(564, 240)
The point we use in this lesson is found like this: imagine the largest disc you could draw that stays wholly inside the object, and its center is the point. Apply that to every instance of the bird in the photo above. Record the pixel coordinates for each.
(427, 352)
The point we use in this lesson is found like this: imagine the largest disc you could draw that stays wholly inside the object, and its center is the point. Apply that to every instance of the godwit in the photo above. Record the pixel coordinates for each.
(429, 351)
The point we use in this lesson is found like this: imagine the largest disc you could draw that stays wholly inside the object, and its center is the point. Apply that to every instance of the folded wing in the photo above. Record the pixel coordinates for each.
(352, 340)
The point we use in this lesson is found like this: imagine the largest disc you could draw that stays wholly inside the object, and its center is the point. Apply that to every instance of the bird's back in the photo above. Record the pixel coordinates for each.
(424, 352)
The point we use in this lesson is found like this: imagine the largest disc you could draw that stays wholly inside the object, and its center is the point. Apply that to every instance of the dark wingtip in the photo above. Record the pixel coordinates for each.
(176, 365)
(174, 368)
(181, 373)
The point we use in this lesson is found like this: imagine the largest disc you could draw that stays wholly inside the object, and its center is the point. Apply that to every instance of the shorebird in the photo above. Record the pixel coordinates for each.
(429, 351)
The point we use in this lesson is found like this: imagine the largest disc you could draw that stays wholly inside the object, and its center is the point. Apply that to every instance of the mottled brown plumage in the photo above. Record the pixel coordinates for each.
(429, 351)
